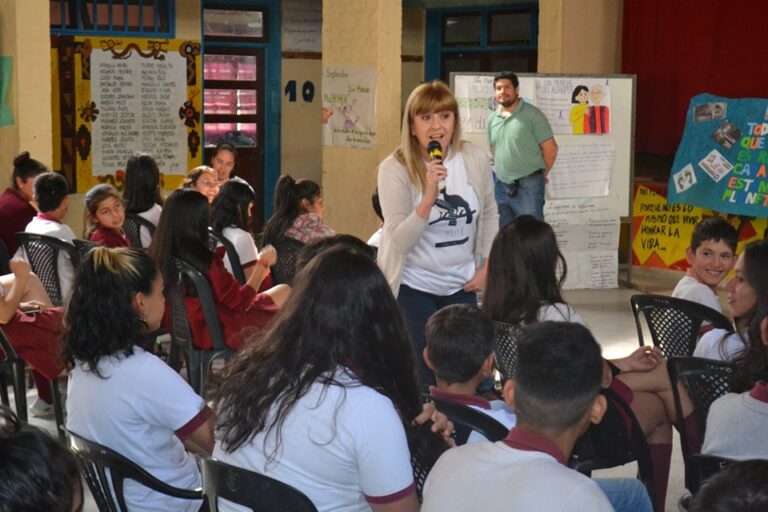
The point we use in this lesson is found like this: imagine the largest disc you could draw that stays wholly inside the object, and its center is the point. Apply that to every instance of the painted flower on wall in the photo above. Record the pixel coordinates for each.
(189, 114)
(83, 142)
(89, 112)
(193, 142)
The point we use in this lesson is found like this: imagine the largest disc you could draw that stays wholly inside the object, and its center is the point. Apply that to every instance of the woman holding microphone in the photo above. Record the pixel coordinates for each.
(440, 216)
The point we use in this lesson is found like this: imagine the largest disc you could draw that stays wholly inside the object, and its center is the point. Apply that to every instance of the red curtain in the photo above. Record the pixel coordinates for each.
(680, 48)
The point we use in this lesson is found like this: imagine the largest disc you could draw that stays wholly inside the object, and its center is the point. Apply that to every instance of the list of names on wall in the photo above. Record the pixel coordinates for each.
(138, 100)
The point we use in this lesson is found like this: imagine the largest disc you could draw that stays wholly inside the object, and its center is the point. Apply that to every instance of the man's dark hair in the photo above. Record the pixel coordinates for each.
(742, 486)
(50, 191)
(507, 76)
(459, 339)
(559, 370)
(714, 228)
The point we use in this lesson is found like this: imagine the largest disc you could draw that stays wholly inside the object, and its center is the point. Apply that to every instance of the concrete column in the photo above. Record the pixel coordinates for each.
(362, 34)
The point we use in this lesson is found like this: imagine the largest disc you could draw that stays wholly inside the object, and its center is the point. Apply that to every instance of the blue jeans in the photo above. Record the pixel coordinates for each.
(525, 198)
(625, 494)
(417, 307)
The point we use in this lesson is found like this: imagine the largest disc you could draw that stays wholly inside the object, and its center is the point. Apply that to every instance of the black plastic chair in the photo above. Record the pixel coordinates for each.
(132, 227)
(505, 348)
(5, 258)
(83, 246)
(105, 472)
(12, 366)
(705, 381)
(674, 323)
(198, 361)
(42, 252)
(466, 420)
(285, 268)
(216, 237)
(250, 489)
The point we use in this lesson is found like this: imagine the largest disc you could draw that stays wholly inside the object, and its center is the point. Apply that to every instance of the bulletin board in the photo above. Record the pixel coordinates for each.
(135, 94)
(590, 186)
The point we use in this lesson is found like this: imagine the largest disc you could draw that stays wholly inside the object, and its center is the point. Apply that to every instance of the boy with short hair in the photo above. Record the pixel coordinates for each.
(556, 397)
(459, 349)
(710, 256)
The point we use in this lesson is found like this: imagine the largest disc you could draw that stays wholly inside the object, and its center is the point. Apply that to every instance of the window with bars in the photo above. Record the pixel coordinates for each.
(135, 17)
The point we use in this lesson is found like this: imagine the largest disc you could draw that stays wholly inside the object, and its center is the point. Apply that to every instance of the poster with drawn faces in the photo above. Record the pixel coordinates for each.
(575, 106)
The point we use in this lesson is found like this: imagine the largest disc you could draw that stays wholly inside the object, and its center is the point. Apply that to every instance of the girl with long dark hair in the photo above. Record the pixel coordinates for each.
(298, 212)
(142, 191)
(324, 400)
(183, 233)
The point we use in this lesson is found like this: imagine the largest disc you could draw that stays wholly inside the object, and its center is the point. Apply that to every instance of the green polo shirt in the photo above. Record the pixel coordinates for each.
(515, 141)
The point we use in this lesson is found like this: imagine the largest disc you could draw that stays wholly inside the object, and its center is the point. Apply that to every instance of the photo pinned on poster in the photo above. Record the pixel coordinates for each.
(726, 135)
(684, 179)
(710, 111)
(716, 165)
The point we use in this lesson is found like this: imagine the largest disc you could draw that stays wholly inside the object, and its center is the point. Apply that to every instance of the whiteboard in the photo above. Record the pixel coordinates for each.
(621, 135)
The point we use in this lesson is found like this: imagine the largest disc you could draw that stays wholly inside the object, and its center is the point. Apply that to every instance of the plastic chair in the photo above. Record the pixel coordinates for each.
(5, 258)
(132, 227)
(705, 380)
(83, 246)
(285, 268)
(466, 420)
(250, 489)
(216, 237)
(198, 361)
(674, 323)
(42, 252)
(105, 472)
(505, 348)
(11, 365)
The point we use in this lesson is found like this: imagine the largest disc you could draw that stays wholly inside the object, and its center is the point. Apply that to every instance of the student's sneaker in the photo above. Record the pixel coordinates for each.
(41, 409)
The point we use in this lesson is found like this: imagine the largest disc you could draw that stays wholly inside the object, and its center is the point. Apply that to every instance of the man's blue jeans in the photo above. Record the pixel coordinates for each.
(625, 494)
(525, 198)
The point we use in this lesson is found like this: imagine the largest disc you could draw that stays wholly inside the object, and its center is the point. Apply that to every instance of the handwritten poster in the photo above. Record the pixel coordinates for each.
(475, 97)
(349, 107)
(302, 26)
(6, 68)
(588, 237)
(576, 106)
(138, 101)
(582, 170)
(722, 161)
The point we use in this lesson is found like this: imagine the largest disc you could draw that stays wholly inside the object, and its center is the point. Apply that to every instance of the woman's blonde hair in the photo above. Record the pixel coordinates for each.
(432, 96)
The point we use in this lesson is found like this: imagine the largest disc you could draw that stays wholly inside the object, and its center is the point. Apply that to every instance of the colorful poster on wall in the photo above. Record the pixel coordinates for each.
(722, 159)
(6, 73)
(137, 95)
(475, 97)
(661, 232)
(349, 107)
(575, 106)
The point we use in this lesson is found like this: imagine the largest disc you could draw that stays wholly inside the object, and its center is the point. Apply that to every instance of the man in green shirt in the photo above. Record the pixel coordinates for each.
(524, 151)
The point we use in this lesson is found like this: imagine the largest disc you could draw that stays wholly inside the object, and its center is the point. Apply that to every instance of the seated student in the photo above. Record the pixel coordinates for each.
(15, 208)
(526, 471)
(122, 396)
(749, 282)
(203, 179)
(298, 212)
(142, 192)
(36, 472)
(376, 237)
(231, 215)
(460, 351)
(105, 216)
(741, 487)
(710, 258)
(34, 335)
(183, 233)
(53, 202)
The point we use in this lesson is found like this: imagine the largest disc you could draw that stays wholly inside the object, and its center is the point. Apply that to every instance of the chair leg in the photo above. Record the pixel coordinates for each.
(58, 409)
(20, 390)
(4, 390)
(194, 371)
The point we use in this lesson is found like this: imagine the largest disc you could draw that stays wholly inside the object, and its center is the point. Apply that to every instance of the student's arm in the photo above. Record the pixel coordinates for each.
(14, 289)
(408, 504)
(549, 153)
(201, 440)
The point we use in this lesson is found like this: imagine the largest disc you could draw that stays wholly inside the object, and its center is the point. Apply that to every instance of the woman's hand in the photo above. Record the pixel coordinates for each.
(477, 283)
(267, 256)
(440, 422)
(33, 305)
(20, 268)
(644, 359)
(436, 172)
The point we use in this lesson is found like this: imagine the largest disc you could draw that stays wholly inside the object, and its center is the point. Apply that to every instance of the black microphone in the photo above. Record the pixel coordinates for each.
(435, 152)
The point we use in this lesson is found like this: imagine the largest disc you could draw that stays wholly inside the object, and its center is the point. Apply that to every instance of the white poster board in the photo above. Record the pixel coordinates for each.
(302, 26)
(349, 107)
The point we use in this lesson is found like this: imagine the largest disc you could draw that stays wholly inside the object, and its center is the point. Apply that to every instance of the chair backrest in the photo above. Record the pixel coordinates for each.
(674, 323)
(42, 252)
(466, 420)
(5, 258)
(699, 468)
(705, 380)
(132, 227)
(285, 268)
(505, 348)
(105, 471)
(83, 246)
(216, 237)
(250, 489)
(202, 288)
(12, 365)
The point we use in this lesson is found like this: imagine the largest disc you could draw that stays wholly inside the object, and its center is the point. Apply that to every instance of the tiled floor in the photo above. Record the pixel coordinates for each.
(608, 314)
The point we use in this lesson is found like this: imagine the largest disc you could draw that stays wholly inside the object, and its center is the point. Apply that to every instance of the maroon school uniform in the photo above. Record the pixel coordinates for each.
(109, 237)
(16, 212)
